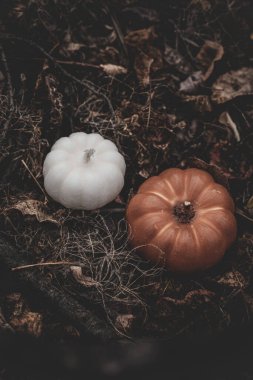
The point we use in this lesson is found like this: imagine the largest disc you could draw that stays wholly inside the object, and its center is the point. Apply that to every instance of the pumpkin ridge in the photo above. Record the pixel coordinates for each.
(195, 236)
(174, 244)
(205, 210)
(209, 224)
(163, 229)
(169, 185)
(146, 214)
(205, 189)
(159, 195)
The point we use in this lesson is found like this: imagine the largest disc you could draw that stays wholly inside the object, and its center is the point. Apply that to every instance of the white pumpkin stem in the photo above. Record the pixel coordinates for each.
(88, 153)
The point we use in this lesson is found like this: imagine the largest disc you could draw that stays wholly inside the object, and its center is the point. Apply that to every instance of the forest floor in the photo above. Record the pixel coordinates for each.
(171, 83)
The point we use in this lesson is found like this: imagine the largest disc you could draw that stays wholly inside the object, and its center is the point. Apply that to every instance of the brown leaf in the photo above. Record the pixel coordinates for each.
(210, 53)
(81, 278)
(142, 67)
(233, 84)
(177, 61)
(34, 208)
(113, 70)
(201, 102)
(233, 279)
(192, 83)
(226, 120)
(250, 203)
(124, 322)
(136, 38)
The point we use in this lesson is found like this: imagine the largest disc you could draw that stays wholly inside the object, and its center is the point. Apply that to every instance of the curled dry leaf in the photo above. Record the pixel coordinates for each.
(124, 322)
(199, 295)
(34, 208)
(136, 38)
(192, 83)
(209, 53)
(250, 203)
(177, 61)
(81, 278)
(226, 120)
(233, 84)
(113, 70)
(200, 102)
(233, 279)
(142, 67)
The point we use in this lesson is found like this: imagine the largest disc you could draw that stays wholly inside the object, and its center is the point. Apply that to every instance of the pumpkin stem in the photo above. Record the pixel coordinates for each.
(88, 153)
(184, 212)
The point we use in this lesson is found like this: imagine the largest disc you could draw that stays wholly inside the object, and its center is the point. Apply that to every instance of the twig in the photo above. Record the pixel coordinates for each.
(36, 181)
(9, 90)
(84, 82)
(45, 264)
(81, 64)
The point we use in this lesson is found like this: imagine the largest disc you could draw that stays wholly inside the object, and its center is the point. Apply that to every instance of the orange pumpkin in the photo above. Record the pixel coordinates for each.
(182, 219)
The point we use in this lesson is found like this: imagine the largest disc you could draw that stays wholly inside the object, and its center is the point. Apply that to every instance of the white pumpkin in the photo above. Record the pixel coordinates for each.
(84, 171)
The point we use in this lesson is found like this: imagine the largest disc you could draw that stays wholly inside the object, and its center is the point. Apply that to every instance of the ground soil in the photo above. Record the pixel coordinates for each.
(171, 84)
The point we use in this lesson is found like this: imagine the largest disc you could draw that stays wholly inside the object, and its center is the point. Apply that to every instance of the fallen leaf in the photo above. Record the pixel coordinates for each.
(200, 102)
(233, 84)
(136, 38)
(233, 279)
(73, 46)
(177, 61)
(81, 278)
(142, 67)
(226, 120)
(250, 203)
(113, 70)
(192, 83)
(34, 208)
(209, 53)
(124, 322)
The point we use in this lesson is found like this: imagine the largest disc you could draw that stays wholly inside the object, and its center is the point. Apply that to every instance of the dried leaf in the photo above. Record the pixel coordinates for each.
(210, 53)
(124, 322)
(177, 61)
(201, 102)
(225, 119)
(142, 67)
(73, 46)
(81, 279)
(192, 83)
(136, 38)
(34, 208)
(233, 279)
(21, 318)
(199, 295)
(113, 70)
(233, 84)
(250, 203)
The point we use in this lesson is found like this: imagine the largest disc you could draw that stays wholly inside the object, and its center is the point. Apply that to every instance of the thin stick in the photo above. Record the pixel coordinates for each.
(81, 64)
(45, 264)
(35, 180)
(9, 90)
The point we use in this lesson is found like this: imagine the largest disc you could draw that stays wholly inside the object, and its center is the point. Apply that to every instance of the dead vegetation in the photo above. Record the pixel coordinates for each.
(171, 85)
